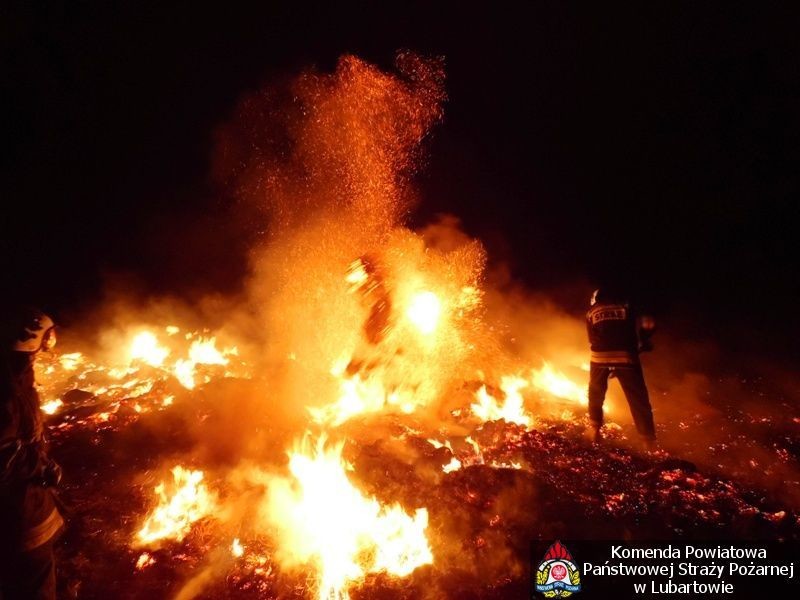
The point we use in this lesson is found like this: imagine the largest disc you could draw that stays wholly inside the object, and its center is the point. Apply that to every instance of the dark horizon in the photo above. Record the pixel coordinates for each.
(652, 147)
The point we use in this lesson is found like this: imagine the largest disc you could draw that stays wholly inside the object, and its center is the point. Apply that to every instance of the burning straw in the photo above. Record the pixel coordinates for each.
(356, 335)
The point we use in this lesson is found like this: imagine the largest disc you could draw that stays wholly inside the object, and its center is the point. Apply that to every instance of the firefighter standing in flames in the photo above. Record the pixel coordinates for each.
(29, 519)
(616, 337)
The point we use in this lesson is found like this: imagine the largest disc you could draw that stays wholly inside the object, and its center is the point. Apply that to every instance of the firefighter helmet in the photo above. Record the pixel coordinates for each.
(35, 332)
(607, 294)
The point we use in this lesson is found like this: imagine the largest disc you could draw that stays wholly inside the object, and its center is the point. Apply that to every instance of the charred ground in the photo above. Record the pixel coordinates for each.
(482, 518)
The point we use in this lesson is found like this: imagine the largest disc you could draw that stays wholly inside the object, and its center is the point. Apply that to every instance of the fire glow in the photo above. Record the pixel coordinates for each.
(322, 519)
(181, 503)
(383, 323)
(139, 371)
(424, 312)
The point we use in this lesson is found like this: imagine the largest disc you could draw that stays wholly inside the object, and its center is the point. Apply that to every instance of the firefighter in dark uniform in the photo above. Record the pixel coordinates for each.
(29, 519)
(616, 336)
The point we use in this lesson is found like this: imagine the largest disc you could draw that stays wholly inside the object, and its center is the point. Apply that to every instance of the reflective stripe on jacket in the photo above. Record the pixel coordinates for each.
(613, 357)
(613, 338)
(28, 513)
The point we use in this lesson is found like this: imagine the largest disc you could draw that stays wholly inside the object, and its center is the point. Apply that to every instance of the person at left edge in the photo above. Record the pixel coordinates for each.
(29, 518)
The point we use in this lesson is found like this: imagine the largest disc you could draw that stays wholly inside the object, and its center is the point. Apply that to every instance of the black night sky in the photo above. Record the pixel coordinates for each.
(657, 146)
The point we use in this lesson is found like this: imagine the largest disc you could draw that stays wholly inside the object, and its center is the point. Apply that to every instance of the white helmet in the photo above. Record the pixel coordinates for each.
(36, 332)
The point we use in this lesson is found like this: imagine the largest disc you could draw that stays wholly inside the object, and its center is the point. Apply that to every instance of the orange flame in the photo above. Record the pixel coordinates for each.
(188, 502)
(322, 519)
(424, 311)
(557, 384)
(145, 347)
(51, 407)
(512, 410)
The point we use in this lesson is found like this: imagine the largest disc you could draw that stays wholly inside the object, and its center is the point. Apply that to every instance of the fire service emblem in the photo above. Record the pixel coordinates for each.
(557, 575)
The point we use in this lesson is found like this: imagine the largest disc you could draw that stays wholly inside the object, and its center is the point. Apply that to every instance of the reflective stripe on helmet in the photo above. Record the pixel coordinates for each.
(37, 332)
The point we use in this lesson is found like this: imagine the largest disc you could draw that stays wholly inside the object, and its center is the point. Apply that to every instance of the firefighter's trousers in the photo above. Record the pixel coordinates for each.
(632, 381)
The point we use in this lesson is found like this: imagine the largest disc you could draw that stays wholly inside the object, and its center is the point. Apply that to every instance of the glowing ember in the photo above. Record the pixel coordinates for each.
(237, 550)
(424, 311)
(322, 519)
(512, 410)
(145, 560)
(71, 361)
(51, 406)
(137, 376)
(453, 465)
(188, 502)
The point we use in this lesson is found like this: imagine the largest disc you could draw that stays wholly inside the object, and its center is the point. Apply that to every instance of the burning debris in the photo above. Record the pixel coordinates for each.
(512, 410)
(322, 519)
(188, 501)
(140, 378)
(385, 437)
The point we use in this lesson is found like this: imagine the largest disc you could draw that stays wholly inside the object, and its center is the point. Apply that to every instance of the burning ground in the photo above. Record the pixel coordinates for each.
(374, 416)
(488, 489)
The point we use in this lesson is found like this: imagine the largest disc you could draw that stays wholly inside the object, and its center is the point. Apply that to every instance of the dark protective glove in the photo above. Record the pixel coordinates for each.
(46, 472)
(647, 327)
(51, 474)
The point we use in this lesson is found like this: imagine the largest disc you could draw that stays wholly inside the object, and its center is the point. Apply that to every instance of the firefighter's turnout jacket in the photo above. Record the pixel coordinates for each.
(613, 335)
(28, 515)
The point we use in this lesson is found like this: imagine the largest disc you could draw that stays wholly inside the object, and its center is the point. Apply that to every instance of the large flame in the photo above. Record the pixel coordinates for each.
(420, 331)
(201, 352)
(556, 383)
(145, 347)
(363, 315)
(512, 409)
(181, 503)
(322, 519)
